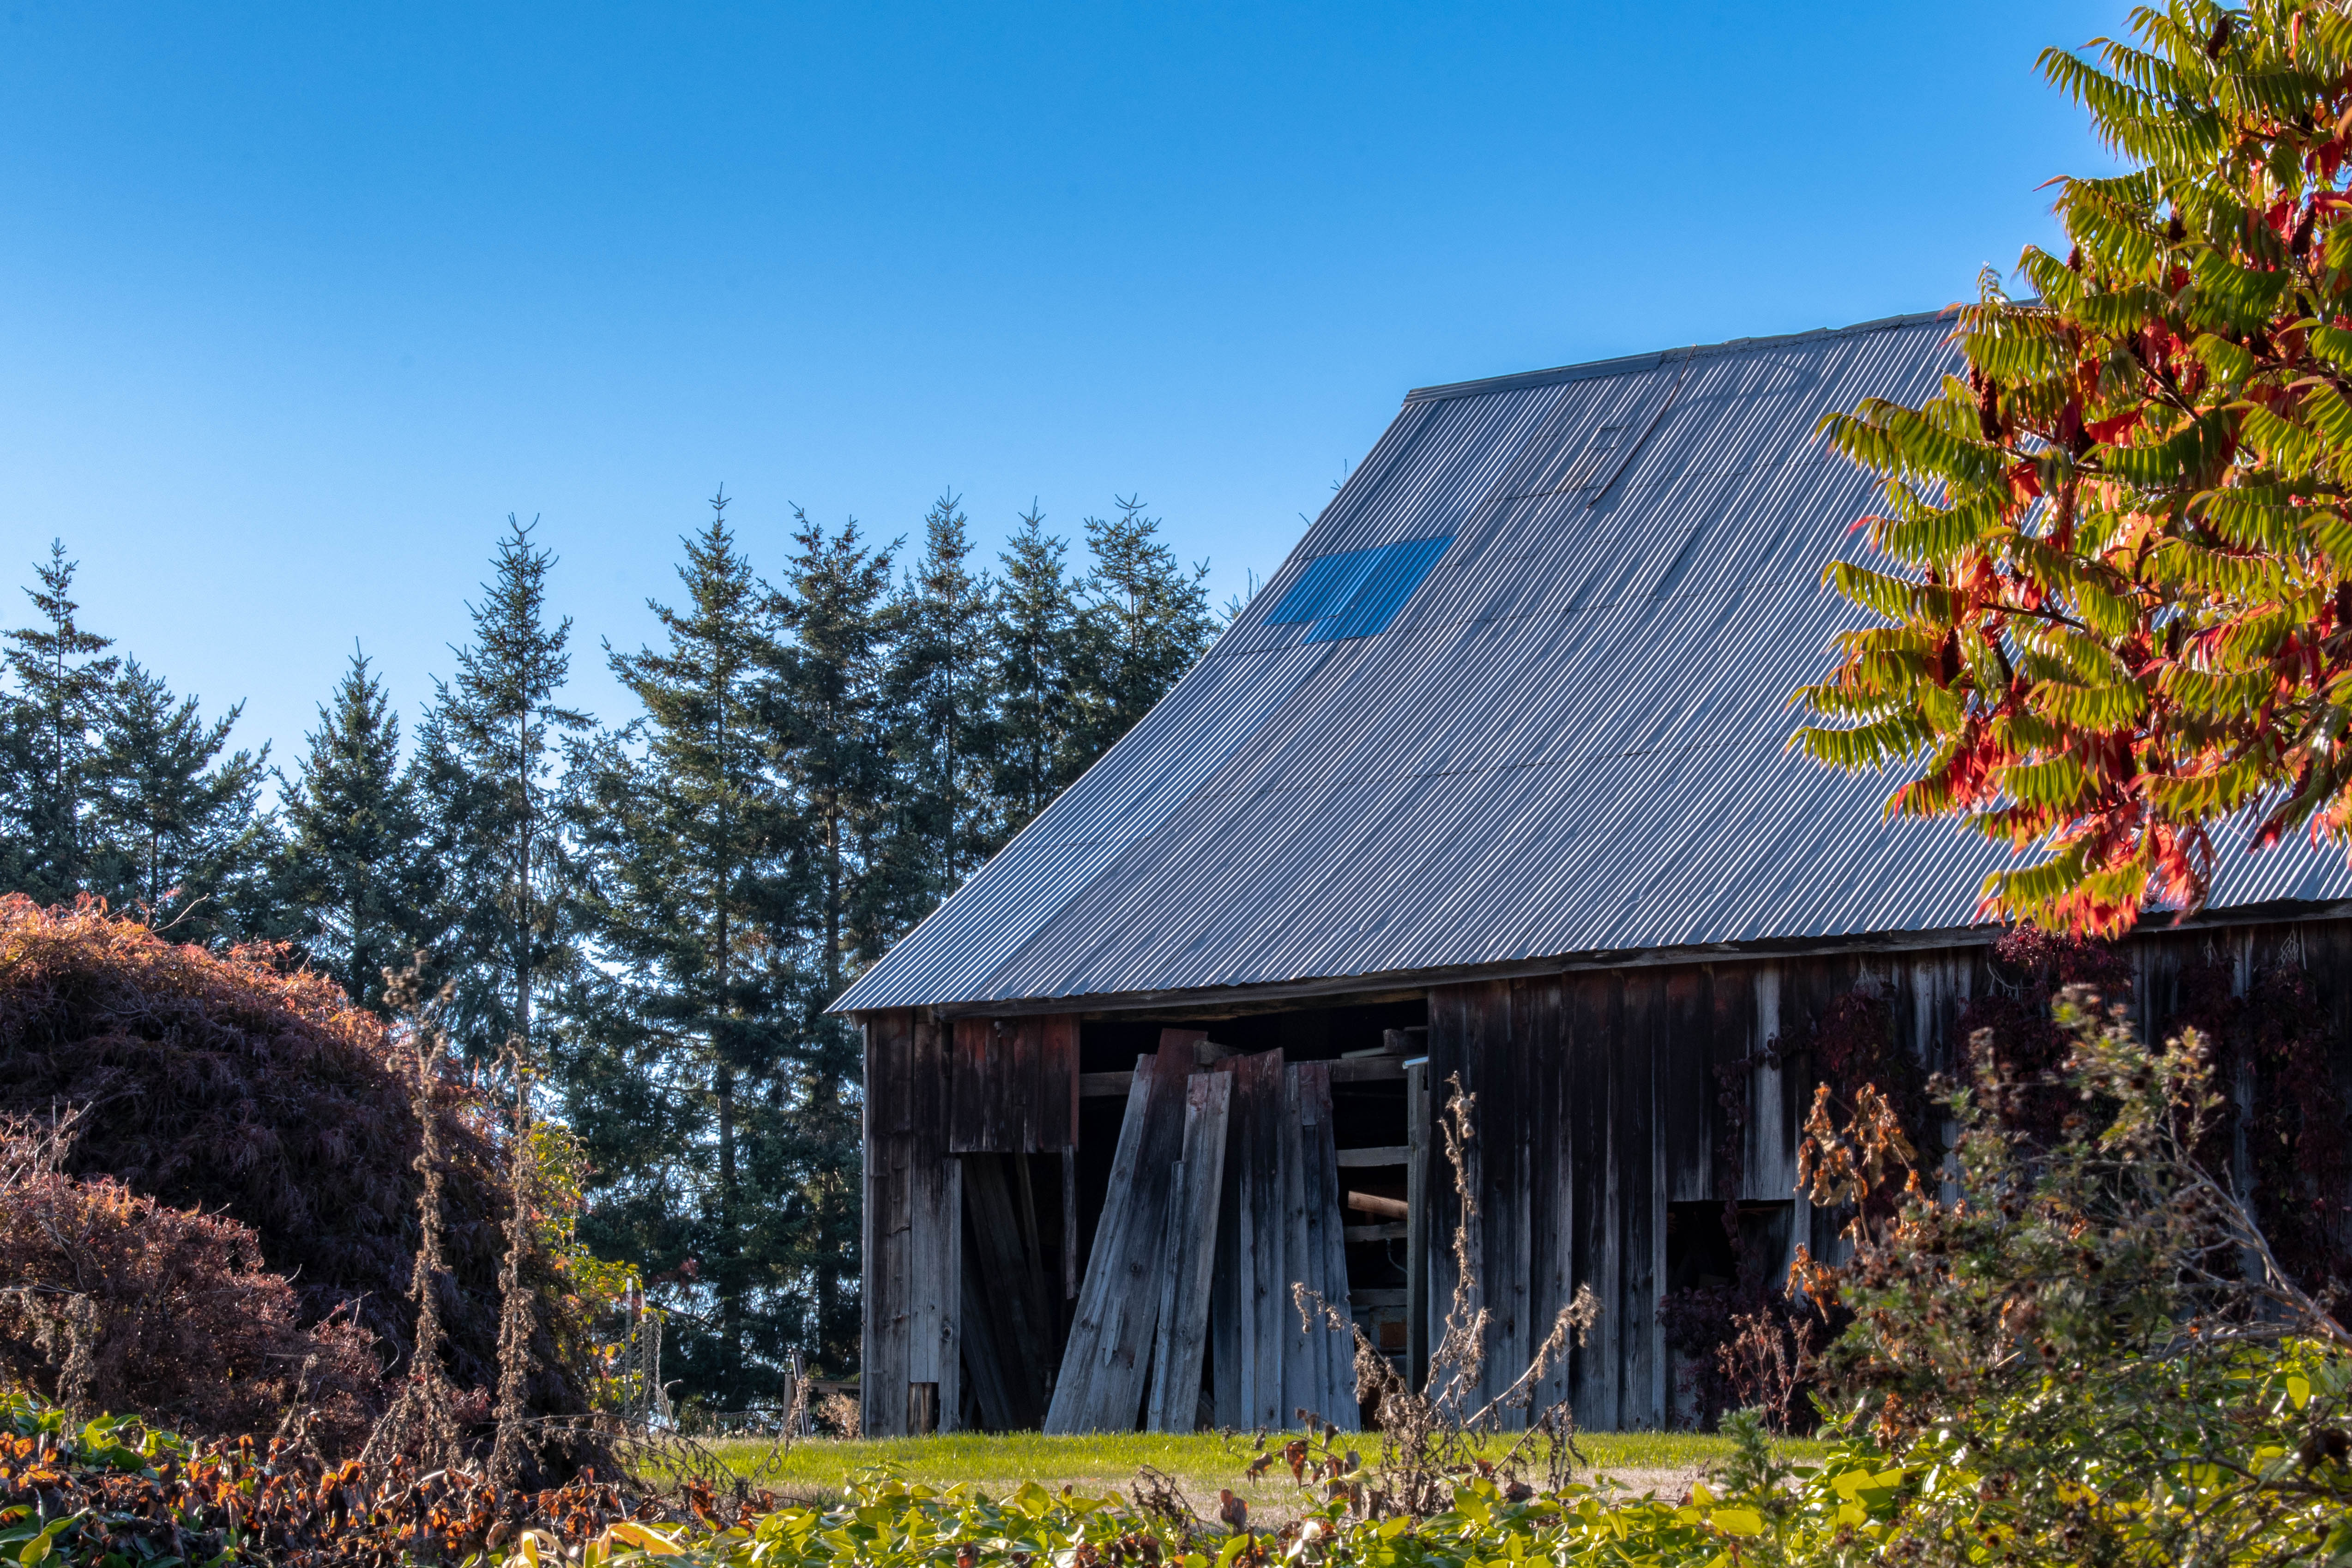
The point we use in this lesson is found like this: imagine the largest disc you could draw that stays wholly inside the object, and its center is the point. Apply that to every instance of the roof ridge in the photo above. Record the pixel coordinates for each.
(1624, 364)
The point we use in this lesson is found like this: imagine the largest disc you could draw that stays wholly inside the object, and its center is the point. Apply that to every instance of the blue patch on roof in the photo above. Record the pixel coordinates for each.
(1356, 592)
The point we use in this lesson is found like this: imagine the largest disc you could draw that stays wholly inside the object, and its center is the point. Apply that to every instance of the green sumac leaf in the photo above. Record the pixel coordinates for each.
(2254, 516)
(2324, 409)
(2054, 781)
(2218, 793)
(2217, 693)
(2333, 344)
(2090, 707)
(2228, 362)
(1896, 598)
(2279, 441)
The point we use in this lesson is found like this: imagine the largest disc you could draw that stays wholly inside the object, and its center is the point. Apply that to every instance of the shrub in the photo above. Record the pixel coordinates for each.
(233, 1084)
(110, 1300)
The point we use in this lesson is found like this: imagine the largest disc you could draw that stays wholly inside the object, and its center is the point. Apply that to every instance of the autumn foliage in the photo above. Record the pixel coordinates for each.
(110, 1300)
(221, 1084)
(2114, 590)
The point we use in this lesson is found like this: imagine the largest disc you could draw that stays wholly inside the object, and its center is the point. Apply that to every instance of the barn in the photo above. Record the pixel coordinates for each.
(1489, 784)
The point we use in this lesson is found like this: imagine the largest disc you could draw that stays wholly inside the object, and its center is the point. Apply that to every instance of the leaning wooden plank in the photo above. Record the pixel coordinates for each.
(1302, 1371)
(984, 1363)
(1004, 1266)
(1248, 1328)
(1108, 1356)
(1333, 1349)
(1098, 1297)
(1155, 1407)
(1183, 1342)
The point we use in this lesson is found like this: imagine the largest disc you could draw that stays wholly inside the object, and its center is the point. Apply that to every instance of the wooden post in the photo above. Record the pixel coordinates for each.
(1416, 1225)
(1069, 1224)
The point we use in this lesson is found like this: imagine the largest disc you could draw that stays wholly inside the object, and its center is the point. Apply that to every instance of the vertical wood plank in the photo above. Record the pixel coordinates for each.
(1301, 1388)
(1108, 1357)
(1447, 1025)
(1330, 1353)
(1018, 1111)
(1686, 1086)
(1635, 1154)
(1598, 1026)
(1537, 1021)
(1417, 1223)
(1058, 1083)
(1247, 1355)
(1183, 1336)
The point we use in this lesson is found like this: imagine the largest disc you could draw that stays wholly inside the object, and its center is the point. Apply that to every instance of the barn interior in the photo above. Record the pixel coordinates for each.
(1031, 1222)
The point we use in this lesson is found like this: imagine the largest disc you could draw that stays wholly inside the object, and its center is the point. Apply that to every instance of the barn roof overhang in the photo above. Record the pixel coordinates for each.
(1233, 1001)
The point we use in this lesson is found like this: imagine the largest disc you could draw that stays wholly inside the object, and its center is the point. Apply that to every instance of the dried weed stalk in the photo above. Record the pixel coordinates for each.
(420, 1423)
(516, 1318)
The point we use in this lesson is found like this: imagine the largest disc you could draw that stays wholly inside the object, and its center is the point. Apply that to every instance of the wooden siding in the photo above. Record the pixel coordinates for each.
(1603, 1098)
(913, 1230)
(1014, 1086)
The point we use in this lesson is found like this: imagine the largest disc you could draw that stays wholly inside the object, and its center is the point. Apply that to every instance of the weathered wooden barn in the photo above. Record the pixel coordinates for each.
(1490, 779)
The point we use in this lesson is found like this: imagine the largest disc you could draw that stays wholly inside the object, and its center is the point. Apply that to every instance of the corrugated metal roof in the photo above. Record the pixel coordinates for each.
(1568, 740)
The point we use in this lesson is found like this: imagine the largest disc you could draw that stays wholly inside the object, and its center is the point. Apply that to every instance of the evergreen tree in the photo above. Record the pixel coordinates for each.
(687, 833)
(827, 721)
(941, 695)
(1034, 627)
(353, 877)
(1145, 621)
(492, 768)
(179, 829)
(61, 692)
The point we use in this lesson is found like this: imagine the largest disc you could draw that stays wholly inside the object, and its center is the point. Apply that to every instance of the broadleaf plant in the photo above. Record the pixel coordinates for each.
(2113, 603)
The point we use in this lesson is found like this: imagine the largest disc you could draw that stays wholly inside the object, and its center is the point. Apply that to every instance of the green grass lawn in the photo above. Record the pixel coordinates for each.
(1202, 1462)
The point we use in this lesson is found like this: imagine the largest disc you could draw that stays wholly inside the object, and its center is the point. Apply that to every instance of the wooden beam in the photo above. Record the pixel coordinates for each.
(1393, 1231)
(1416, 1235)
(1379, 1158)
(1348, 1069)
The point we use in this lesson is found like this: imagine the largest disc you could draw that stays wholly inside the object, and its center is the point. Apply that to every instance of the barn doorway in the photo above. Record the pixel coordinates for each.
(1370, 1054)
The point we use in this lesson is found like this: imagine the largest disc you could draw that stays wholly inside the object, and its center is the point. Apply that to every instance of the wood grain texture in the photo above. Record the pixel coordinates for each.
(1109, 1354)
(1182, 1344)
(1013, 1085)
(1247, 1304)
(913, 1225)
(1013, 1279)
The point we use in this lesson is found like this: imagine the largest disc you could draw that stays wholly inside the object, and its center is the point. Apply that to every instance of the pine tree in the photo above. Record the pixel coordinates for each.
(1145, 621)
(687, 833)
(496, 738)
(827, 718)
(1034, 628)
(61, 692)
(353, 877)
(179, 827)
(941, 696)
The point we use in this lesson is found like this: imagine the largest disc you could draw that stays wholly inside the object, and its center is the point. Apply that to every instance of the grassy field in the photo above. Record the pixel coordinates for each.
(1202, 1462)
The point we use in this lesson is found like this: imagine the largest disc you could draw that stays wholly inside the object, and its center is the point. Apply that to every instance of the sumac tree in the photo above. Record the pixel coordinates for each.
(2115, 584)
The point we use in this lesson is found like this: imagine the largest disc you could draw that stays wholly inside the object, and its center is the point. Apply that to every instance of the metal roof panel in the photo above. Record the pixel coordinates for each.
(1570, 739)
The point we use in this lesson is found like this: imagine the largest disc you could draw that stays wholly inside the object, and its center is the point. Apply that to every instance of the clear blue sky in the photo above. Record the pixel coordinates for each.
(297, 302)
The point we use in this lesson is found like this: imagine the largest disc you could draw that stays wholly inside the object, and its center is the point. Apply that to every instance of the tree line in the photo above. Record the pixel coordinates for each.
(658, 910)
